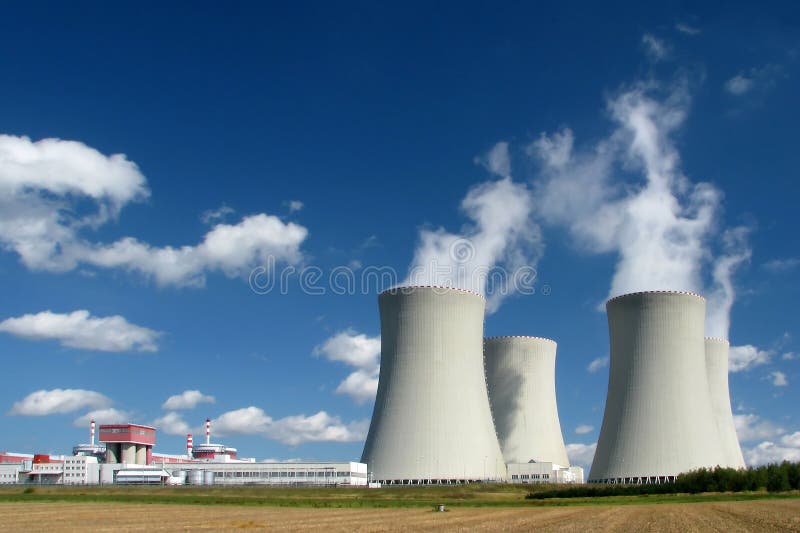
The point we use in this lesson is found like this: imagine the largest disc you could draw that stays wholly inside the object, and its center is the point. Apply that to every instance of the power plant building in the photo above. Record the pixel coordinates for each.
(717, 351)
(432, 422)
(658, 419)
(520, 375)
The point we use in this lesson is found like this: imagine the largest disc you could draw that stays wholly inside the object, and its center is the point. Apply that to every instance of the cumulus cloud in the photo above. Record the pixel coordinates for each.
(597, 364)
(581, 454)
(782, 265)
(750, 427)
(746, 357)
(172, 423)
(738, 85)
(500, 235)
(53, 191)
(57, 401)
(188, 399)
(583, 429)
(79, 329)
(109, 415)
(497, 160)
(786, 449)
(656, 48)
(295, 205)
(291, 430)
(360, 351)
(686, 28)
(778, 379)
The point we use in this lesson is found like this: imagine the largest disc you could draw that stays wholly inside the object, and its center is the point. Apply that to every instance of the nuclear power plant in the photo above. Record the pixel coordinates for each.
(717, 368)
(521, 377)
(659, 418)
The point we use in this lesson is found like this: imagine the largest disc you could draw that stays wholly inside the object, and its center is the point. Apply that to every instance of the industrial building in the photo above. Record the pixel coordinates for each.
(717, 367)
(658, 419)
(520, 375)
(432, 422)
(544, 472)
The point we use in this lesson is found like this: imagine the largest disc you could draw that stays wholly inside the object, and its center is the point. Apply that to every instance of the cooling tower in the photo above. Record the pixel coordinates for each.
(717, 368)
(432, 422)
(521, 377)
(658, 419)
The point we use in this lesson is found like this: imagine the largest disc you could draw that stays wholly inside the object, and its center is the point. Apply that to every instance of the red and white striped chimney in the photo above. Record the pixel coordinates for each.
(91, 431)
(208, 431)
(189, 445)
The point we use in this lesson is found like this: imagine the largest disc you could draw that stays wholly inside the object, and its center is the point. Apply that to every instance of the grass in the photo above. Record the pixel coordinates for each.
(396, 497)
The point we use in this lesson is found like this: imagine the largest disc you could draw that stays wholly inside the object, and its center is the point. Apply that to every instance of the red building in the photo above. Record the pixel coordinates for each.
(128, 443)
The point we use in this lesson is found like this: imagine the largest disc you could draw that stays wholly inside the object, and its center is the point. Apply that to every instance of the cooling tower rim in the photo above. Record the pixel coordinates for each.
(686, 293)
(496, 337)
(718, 339)
(400, 289)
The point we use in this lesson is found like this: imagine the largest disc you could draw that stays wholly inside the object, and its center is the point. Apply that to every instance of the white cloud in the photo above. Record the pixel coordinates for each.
(583, 429)
(103, 416)
(497, 160)
(762, 78)
(786, 449)
(746, 357)
(52, 191)
(219, 214)
(751, 427)
(171, 423)
(656, 48)
(501, 235)
(782, 265)
(360, 351)
(79, 329)
(788, 356)
(778, 379)
(57, 401)
(686, 28)
(188, 399)
(597, 364)
(295, 205)
(291, 430)
(581, 454)
(738, 85)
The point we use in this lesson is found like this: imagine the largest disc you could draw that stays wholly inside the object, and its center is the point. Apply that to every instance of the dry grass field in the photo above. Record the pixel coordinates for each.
(730, 516)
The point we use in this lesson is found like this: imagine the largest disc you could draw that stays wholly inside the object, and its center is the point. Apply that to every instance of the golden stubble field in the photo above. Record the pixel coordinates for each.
(765, 515)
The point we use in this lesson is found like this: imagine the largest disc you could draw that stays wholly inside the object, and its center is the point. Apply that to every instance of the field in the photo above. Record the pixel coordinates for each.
(474, 508)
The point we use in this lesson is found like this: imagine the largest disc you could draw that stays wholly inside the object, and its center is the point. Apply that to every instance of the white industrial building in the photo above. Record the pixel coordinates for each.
(432, 422)
(658, 419)
(349, 474)
(520, 375)
(545, 472)
(717, 367)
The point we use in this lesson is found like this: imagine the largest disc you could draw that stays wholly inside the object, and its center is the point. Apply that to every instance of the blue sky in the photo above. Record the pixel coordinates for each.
(360, 136)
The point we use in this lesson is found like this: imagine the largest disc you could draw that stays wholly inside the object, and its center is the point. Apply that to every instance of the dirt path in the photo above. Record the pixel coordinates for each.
(767, 515)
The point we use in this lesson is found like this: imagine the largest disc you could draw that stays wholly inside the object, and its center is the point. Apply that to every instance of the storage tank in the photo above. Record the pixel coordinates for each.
(431, 422)
(195, 477)
(208, 477)
(658, 419)
(717, 367)
(521, 377)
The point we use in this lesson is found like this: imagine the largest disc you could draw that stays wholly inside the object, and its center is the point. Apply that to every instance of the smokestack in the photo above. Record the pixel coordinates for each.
(91, 432)
(717, 367)
(432, 419)
(208, 431)
(189, 445)
(658, 419)
(521, 376)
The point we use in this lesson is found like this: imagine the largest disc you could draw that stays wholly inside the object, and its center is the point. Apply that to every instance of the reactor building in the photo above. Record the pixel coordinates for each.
(520, 375)
(658, 420)
(717, 367)
(432, 422)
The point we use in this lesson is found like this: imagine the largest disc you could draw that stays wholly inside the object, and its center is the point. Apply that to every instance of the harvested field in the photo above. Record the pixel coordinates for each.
(733, 516)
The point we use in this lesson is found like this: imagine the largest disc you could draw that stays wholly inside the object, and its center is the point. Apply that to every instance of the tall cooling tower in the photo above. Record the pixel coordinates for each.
(658, 419)
(521, 376)
(717, 368)
(432, 422)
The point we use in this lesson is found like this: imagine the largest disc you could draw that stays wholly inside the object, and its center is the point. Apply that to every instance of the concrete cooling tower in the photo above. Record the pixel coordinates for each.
(432, 422)
(521, 376)
(717, 368)
(658, 419)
